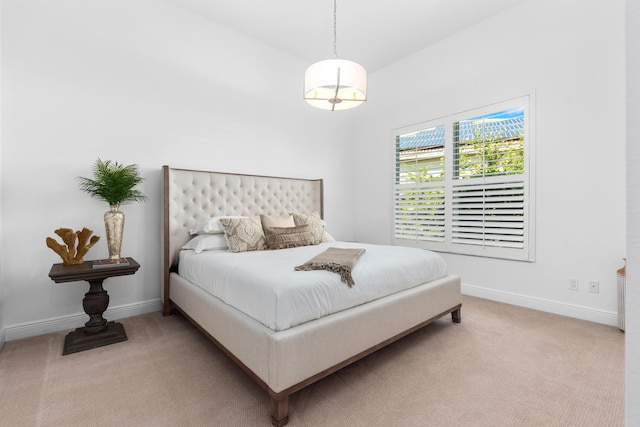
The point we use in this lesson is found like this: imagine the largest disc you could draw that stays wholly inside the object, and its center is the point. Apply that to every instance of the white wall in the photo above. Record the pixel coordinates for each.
(632, 322)
(570, 55)
(138, 82)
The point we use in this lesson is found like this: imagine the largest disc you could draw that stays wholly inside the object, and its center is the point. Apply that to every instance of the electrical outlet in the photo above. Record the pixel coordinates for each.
(594, 287)
(573, 283)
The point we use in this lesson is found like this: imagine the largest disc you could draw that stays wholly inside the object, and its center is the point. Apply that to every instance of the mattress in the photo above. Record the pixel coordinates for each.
(265, 286)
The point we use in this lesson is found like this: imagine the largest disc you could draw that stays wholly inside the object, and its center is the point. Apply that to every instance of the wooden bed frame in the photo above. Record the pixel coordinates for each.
(282, 362)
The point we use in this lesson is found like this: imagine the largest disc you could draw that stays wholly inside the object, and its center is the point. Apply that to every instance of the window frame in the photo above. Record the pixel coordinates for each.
(452, 184)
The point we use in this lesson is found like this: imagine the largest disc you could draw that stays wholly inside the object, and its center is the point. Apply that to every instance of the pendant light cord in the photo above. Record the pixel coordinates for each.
(335, 32)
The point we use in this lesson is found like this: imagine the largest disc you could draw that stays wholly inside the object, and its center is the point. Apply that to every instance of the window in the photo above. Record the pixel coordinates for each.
(463, 183)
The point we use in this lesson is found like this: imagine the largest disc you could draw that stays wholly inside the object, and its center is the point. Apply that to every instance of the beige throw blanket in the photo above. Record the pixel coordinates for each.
(337, 260)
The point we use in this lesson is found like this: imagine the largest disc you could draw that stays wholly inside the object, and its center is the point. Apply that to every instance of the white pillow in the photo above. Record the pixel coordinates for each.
(207, 242)
(279, 221)
(211, 226)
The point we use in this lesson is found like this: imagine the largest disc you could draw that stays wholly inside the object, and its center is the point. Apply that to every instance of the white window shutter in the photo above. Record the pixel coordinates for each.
(462, 183)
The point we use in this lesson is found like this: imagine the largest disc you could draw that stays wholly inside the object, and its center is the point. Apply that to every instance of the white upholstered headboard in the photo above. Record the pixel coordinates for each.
(192, 196)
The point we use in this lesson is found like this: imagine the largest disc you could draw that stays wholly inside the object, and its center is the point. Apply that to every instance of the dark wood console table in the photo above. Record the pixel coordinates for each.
(97, 331)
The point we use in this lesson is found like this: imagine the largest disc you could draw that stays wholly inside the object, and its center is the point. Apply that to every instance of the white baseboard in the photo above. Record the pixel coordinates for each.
(549, 306)
(26, 330)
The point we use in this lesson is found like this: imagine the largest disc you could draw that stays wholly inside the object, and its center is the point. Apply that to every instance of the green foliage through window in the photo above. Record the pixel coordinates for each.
(489, 145)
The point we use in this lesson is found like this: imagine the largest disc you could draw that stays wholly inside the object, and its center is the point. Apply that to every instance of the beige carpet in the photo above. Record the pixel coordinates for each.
(502, 366)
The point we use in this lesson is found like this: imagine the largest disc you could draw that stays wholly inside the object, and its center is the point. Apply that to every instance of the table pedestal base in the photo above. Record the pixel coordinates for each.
(80, 340)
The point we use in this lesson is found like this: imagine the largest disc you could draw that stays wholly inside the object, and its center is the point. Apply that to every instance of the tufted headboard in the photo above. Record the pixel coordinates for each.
(192, 196)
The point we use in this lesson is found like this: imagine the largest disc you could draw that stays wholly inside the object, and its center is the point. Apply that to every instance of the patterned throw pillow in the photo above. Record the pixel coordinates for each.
(243, 234)
(314, 221)
(288, 237)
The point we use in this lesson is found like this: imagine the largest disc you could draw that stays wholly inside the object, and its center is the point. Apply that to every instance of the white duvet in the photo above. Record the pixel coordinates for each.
(265, 286)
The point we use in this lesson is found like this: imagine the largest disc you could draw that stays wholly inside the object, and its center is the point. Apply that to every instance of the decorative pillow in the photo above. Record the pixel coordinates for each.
(314, 221)
(285, 220)
(211, 225)
(288, 237)
(243, 234)
(206, 242)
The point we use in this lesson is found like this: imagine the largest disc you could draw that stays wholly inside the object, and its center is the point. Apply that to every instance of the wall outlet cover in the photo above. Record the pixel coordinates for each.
(573, 283)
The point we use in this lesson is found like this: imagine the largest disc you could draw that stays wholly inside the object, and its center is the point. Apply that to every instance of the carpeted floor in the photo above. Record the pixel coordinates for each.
(502, 366)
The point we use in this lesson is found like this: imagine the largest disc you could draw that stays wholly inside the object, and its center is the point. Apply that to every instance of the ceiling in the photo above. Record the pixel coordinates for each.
(374, 33)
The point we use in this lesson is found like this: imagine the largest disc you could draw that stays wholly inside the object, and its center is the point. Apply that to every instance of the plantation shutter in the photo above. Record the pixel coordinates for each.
(462, 183)
(419, 191)
(488, 189)
(489, 215)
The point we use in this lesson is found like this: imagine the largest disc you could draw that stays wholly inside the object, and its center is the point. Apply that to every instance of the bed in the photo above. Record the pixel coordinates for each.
(284, 353)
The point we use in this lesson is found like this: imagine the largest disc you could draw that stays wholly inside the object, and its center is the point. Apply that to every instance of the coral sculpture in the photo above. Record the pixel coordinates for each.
(68, 252)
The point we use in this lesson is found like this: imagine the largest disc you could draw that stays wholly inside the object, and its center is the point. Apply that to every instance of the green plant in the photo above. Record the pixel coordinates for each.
(114, 183)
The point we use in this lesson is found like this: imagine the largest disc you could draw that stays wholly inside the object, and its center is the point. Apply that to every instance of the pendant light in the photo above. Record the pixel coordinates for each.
(335, 84)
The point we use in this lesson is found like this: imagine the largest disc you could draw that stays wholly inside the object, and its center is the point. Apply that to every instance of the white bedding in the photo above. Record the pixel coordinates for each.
(265, 286)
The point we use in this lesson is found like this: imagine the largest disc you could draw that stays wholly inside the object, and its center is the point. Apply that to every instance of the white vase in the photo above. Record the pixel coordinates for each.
(114, 226)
